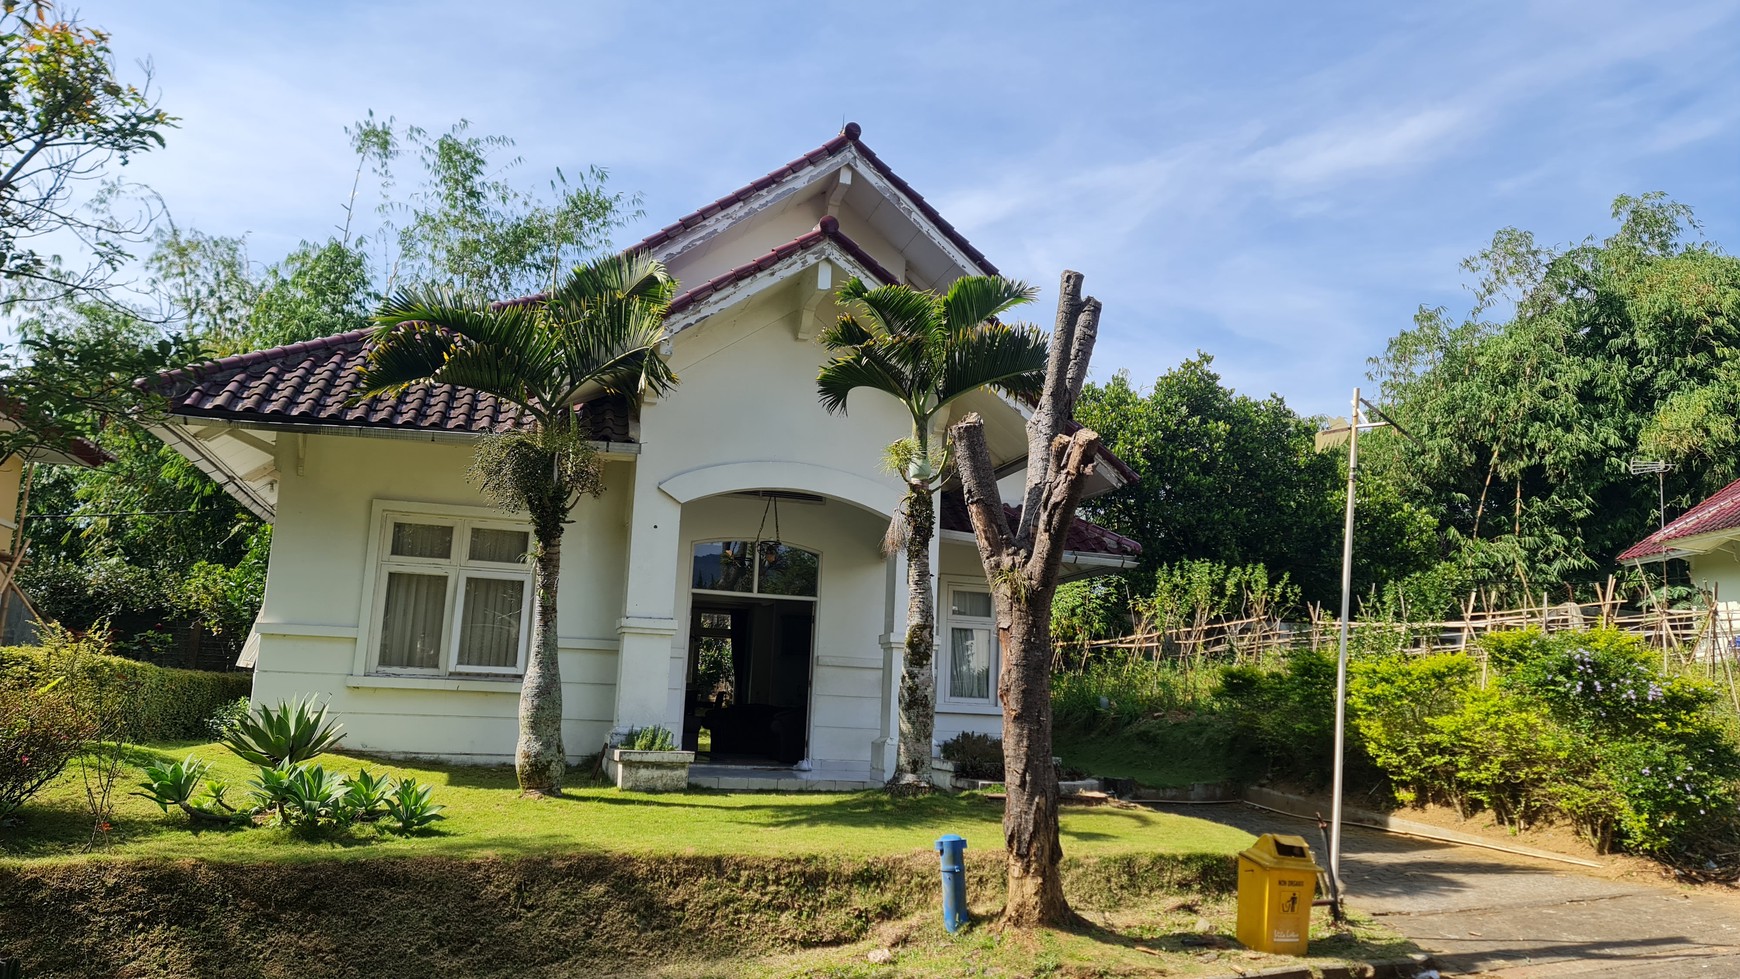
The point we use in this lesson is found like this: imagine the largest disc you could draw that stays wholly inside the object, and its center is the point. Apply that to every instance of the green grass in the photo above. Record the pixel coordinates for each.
(486, 817)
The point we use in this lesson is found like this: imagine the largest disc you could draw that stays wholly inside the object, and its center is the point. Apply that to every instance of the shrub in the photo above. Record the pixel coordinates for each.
(225, 717)
(1394, 704)
(165, 704)
(40, 731)
(365, 796)
(654, 738)
(312, 797)
(1121, 688)
(286, 734)
(975, 756)
(1506, 754)
(1285, 718)
(409, 809)
(179, 784)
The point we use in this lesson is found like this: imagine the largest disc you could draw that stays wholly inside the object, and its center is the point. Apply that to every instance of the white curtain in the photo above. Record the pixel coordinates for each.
(499, 546)
(416, 607)
(423, 540)
(489, 627)
(970, 664)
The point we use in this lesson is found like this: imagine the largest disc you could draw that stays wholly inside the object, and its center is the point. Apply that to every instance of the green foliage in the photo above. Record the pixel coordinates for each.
(175, 784)
(226, 716)
(1393, 702)
(926, 350)
(1285, 717)
(310, 797)
(975, 756)
(1224, 478)
(1194, 593)
(65, 113)
(654, 738)
(286, 734)
(366, 795)
(1522, 423)
(466, 225)
(410, 809)
(1578, 725)
(41, 729)
(1097, 608)
(163, 704)
(1118, 688)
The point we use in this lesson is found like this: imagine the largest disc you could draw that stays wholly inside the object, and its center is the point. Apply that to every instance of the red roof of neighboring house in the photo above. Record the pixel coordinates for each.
(311, 383)
(1083, 538)
(849, 137)
(1719, 512)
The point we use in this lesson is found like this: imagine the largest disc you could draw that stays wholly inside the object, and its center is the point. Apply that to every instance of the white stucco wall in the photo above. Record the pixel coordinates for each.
(314, 630)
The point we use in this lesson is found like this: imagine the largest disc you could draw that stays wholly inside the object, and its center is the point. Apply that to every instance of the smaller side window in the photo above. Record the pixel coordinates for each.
(972, 647)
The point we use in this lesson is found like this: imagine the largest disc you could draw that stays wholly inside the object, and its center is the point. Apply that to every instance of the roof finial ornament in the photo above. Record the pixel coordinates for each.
(852, 130)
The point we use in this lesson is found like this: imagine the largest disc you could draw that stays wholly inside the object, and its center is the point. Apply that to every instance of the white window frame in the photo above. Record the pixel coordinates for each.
(947, 622)
(456, 568)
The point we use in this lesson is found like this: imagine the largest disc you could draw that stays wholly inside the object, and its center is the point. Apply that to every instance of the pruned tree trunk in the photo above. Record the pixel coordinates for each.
(918, 675)
(539, 761)
(1022, 567)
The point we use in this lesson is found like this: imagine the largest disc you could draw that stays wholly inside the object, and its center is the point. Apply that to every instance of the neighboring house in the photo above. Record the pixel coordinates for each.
(728, 584)
(1706, 537)
(18, 618)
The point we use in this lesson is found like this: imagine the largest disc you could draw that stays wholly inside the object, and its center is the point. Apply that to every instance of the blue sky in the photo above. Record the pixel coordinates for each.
(1278, 184)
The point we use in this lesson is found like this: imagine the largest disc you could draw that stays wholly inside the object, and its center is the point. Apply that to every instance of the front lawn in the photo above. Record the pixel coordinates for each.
(487, 818)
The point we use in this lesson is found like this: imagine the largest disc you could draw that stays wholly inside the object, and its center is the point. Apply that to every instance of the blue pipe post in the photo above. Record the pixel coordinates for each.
(954, 881)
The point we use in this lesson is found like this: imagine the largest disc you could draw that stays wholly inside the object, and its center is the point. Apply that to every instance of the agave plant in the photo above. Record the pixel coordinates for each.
(312, 796)
(177, 784)
(287, 734)
(365, 796)
(409, 807)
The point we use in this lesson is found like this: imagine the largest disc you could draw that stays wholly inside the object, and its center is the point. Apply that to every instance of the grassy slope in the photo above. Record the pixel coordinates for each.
(1158, 753)
(486, 818)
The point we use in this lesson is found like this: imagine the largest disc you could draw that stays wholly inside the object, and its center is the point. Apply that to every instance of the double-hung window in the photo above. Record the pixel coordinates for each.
(972, 647)
(454, 596)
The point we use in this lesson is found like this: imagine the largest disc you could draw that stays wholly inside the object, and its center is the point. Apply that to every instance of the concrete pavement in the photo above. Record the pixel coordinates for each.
(1485, 912)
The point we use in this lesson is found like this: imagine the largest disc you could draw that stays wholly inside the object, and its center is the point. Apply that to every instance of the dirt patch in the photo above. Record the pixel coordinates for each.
(558, 916)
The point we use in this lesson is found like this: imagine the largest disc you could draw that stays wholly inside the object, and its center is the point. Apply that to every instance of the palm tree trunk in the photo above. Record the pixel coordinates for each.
(538, 758)
(918, 678)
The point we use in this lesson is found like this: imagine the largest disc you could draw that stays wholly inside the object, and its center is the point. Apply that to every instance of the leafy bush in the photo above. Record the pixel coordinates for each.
(1394, 703)
(225, 717)
(1120, 688)
(41, 730)
(165, 704)
(289, 733)
(1285, 718)
(654, 738)
(975, 756)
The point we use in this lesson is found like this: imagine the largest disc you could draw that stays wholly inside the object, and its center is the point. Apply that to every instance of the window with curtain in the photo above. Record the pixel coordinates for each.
(454, 596)
(971, 647)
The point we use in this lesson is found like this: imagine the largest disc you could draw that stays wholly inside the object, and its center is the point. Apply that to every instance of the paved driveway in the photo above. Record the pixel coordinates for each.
(1482, 911)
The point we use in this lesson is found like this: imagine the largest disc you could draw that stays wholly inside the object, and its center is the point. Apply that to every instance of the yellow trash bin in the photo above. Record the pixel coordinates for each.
(1277, 883)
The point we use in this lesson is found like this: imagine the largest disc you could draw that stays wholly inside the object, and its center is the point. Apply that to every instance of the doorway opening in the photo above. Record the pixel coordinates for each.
(748, 694)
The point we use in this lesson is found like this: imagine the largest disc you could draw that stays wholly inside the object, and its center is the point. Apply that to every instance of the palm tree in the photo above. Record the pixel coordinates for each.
(596, 333)
(925, 351)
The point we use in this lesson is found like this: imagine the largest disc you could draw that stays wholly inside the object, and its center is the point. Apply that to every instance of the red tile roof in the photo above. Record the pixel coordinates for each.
(828, 229)
(1083, 537)
(849, 137)
(1719, 512)
(311, 383)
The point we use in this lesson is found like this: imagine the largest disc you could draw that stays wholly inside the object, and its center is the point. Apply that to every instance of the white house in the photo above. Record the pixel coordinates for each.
(1707, 538)
(739, 528)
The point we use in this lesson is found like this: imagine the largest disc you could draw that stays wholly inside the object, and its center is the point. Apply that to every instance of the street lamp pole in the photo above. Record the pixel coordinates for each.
(1341, 659)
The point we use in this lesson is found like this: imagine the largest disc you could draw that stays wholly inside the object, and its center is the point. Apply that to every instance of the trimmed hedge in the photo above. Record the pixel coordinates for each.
(167, 704)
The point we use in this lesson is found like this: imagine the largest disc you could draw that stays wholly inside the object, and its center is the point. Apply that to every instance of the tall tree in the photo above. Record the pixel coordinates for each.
(1224, 477)
(1022, 565)
(926, 351)
(65, 114)
(1572, 362)
(597, 332)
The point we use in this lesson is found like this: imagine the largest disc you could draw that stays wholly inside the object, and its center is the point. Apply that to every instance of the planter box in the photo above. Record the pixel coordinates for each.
(649, 771)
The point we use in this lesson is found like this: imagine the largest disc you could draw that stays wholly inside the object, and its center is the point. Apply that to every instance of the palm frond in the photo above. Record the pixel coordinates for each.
(407, 354)
(897, 309)
(844, 333)
(1006, 357)
(975, 299)
(864, 367)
